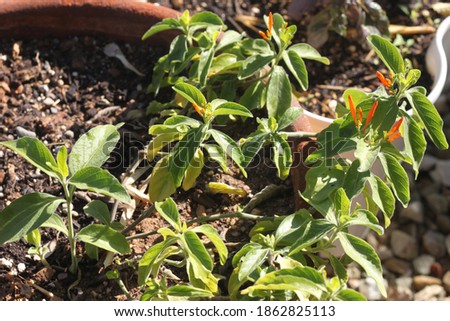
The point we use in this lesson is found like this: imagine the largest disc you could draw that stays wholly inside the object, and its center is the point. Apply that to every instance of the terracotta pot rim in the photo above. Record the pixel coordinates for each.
(118, 19)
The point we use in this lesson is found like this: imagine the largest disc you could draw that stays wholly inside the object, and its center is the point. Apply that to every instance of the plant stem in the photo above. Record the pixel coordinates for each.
(144, 215)
(124, 289)
(299, 134)
(74, 264)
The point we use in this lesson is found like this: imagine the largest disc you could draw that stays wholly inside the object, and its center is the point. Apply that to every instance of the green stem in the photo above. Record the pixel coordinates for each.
(74, 264)
(298, 134)
(124, 289)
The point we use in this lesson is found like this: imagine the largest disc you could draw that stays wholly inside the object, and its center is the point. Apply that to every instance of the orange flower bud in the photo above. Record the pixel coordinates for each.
(270, 22)
(393, 134)
(197, 109)
(352, 109)
(386, 82)
(263, 35)
(370, 115)
(393, 137)
(360, 116)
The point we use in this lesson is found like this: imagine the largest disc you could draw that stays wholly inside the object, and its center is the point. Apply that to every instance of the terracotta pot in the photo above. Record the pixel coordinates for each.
(118, 19)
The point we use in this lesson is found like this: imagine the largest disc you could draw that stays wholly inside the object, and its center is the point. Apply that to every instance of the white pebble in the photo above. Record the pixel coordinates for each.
(21, 267)
(5, 263)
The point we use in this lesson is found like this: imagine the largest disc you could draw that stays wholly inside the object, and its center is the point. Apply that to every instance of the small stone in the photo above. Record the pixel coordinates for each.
(434, 243)
(333, 104)
(370, 290)
(446, 280)
(21, 267)
(443, 223)
(447, 244)
(53, 110)
(403, 245)
(398, 266)
(353, 272)
(2, 153)
(422, 281)
(422, 264)
(441, 173)
(428, 162)
(62, 276)
(384, 252)
(22, 132)
(60, 82)
(402, 290)
(201, 211)
(404, 281)
(6, 263)
(413, 212)
(69, 134)
(437, 203)
(429, 293)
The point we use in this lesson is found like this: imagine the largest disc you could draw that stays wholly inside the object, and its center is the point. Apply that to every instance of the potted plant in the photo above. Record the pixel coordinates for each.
(286, 256)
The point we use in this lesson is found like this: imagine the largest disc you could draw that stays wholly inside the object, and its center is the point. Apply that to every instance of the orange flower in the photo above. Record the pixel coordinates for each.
(370, 115)
(359, 116)
(387, 83)
(263, 35)
(393, 134)
(352, 109)
(268, 34)
(199, 110)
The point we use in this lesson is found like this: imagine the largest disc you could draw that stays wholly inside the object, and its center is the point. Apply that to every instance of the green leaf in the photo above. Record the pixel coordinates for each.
(105, 238)
(191, 93)
(430, 118)
(230, 108)
(149, 258)
(415, 143)
(291, 115)
(92, 251)
(278, 93)
(93, 148)
(174, 124)
(361, 252)
(306, 51)
(303, 279)
(230, 147)
(297, 67)
(36, 153)
(310, 233)
(388, 53)
(342, 202)
(98, 210)
(397, 177)
(383, 197)
(252, 146)
(222, 61)
(26, 214)
(363, 218)
(254, 64)
(56, 222)
(216, 153)
(169, 211)
(288, 230)
(214, 237)
(166, 24)
(34, 238)
(349, 295)
(206, 18)
(194, 169)
(355, 179)
(204, 65)
(250, 262)
(159, 142)
(61, 158)
(188, 292)
(228, 37)
(195, 248)
(339, 268)
(366, 155)
(181, 155)
(253, 96)
(100, 181)
(161, 184)
(282, 156)
(199, 276)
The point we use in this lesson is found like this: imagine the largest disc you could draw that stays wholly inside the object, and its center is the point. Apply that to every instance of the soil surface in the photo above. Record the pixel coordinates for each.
(57, 89)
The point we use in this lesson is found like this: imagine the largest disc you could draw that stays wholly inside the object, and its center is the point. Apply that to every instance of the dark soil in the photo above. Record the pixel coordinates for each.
(57, 89)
